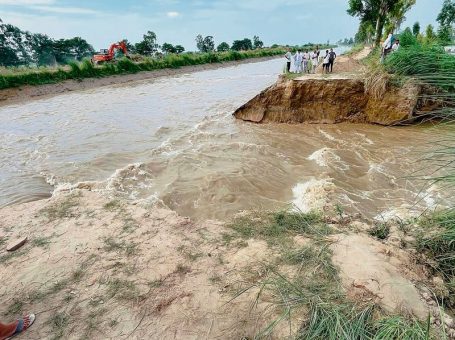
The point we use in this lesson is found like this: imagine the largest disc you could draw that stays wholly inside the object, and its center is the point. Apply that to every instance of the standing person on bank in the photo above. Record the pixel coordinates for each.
(298, 60)
(387, 46)
(332, 57)
(326, 62)
(315, 60)
(306, 59)
(288, 57)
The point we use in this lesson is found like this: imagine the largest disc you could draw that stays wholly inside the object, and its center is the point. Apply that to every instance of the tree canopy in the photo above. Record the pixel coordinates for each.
(242, 45)
(377, 14)
(148, 45)
(257, 43)
(206, 44)
(223, 47)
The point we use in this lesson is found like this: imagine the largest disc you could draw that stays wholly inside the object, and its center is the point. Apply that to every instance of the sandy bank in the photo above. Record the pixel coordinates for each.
(96, 268)
(26, 93)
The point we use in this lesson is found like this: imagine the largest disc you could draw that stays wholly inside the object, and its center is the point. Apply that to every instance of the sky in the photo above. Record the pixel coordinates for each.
(102, 22)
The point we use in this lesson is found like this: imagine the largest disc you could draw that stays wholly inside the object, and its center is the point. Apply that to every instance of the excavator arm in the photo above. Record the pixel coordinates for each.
(98, 58)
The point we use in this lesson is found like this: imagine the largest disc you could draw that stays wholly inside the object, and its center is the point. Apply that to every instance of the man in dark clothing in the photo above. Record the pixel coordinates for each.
(332, 57)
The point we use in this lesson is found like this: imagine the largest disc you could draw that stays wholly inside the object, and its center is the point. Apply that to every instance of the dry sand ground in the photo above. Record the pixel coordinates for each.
(99, 268)
(26, 93)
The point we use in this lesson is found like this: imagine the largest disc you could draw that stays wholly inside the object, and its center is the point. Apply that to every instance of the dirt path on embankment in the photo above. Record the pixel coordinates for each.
(26, 93)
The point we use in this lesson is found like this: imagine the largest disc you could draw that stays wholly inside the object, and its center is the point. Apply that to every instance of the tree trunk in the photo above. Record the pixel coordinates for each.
(379, 27)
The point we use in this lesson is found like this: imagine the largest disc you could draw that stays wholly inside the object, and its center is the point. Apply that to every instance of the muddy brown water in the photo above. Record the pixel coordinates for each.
(174, 140)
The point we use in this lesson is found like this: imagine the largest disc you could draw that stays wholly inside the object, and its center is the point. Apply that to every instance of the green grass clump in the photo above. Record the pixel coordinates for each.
(277, 227)
(437, 240)
(396, 327)
(380, 230)
(347, 322)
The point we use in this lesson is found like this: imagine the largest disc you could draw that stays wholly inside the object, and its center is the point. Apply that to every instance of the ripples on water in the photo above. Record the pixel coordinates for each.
(174, 140)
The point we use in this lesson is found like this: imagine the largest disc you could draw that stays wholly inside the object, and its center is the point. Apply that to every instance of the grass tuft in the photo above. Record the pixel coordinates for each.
(380, 230)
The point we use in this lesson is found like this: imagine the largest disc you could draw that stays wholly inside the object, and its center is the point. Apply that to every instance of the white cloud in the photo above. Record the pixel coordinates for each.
(173, 14)
(64, 10)
(26, 2)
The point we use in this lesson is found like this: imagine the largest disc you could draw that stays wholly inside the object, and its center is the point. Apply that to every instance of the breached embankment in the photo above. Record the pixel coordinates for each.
(331, 99)
(342, 96)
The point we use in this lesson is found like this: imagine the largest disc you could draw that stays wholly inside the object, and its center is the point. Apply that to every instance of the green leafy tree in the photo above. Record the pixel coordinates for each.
(365, 33)
(242, 45)
(257, 43)
(8, 56)
(416, 28)
(43, 50)
(378, 13)
(447, 15)
(148, 46)
(446, 20)
(76, 48)
(168, 48)
(179, 49)
(429, 33)
(206, 44)
(223, 47)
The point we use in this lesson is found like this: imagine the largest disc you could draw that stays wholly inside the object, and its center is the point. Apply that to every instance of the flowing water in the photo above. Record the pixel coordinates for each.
(173, 140)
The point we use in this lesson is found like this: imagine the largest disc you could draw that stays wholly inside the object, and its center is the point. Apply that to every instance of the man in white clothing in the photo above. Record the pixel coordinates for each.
(315, 60)
(298, 60)
(396, 46)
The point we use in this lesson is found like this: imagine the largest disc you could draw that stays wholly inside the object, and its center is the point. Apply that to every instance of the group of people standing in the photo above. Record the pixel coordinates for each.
(307, 62)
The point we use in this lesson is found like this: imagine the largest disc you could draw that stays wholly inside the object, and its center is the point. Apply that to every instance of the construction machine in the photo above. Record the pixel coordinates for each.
(109, 55)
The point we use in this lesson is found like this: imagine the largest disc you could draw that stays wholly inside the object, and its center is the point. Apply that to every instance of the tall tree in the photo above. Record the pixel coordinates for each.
(416, 28)
(206, 44)
(429, 33)
(148, 45)
(446, 19)
(257, 43)
(447, 15)
(379, 12)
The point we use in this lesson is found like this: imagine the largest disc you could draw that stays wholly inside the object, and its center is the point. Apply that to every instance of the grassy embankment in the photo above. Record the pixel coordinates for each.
(85, 69)
(318, 297)
(14, 77)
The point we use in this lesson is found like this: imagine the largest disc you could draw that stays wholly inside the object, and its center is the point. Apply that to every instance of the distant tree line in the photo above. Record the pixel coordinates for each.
(346, 41)
(19, 47)
(207, 44)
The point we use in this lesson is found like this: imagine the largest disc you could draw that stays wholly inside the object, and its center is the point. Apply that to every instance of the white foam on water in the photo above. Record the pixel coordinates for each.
(312, 194)
(365, 138)
(327, 135)
(327, 157)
